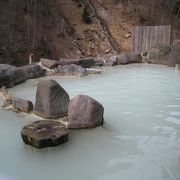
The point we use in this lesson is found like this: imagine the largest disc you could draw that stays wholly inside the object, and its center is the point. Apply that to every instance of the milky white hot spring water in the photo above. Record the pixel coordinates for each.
(140, 139)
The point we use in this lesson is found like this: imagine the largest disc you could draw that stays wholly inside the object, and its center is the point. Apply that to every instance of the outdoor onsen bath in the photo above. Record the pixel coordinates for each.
(90, 90)
(140, 137)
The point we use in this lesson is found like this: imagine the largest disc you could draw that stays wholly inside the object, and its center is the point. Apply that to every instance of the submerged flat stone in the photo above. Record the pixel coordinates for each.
(45, 133)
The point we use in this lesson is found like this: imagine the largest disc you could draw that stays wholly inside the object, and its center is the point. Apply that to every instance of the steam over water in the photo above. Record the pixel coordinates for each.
(140, 139)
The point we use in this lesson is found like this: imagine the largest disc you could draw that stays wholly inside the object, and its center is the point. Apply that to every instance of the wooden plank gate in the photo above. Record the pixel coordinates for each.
(145, 37)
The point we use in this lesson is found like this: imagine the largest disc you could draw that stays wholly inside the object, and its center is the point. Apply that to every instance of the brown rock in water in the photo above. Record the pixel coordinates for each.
(42, 134)
(70, 70)
(7, 102)
(84, 112)
(51, 100)
(49, 63)
(22, 105)
(33, 71)
(83, 62)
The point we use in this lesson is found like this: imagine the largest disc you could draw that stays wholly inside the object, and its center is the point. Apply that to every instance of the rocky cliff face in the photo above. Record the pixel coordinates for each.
(71, 28)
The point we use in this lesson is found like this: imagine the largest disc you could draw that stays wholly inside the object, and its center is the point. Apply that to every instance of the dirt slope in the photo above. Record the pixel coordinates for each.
(57, 29)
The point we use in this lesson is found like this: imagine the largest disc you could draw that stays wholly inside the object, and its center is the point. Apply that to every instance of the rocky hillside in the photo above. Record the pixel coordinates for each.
(77, 28)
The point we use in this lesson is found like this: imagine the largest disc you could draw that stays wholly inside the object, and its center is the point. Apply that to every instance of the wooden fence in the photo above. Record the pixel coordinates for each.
(145, 37)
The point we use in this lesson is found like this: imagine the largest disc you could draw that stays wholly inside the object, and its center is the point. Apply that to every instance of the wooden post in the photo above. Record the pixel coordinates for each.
(30, 58)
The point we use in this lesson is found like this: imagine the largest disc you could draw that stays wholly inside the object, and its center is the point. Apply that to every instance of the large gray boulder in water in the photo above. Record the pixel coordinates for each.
(10, 75)
(33, 71)
(51, 100)
(84, 112)
(70, 70)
